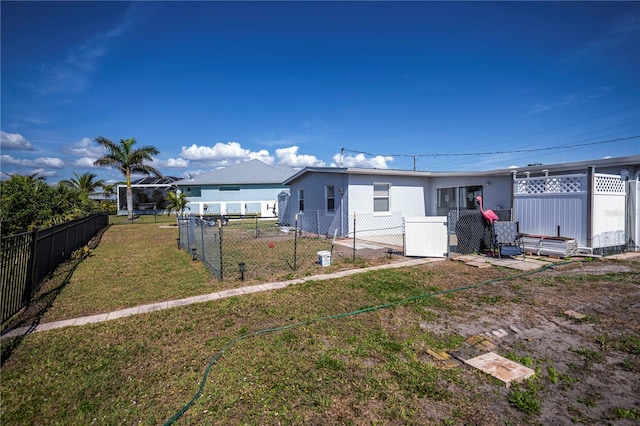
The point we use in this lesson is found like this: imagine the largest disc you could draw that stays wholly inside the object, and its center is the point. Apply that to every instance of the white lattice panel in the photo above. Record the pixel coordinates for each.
(609, 184)
(550, 185)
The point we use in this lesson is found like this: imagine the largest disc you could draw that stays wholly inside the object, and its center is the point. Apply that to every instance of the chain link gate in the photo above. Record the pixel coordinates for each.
(469, 232)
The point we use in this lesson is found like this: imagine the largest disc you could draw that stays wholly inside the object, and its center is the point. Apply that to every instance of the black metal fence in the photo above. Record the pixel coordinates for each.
(256, 248)
(469, 232)
(27, 258)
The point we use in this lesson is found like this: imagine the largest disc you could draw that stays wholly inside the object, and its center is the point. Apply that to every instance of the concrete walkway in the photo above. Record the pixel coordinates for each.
(143, 309)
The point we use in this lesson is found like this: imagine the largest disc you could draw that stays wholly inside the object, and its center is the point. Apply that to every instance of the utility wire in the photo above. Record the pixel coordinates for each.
(496, 152)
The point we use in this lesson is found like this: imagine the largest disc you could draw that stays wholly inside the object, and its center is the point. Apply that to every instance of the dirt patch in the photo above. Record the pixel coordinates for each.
(587, 369)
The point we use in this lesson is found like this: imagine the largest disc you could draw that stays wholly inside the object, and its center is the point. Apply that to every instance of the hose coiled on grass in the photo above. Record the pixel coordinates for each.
(218, 355)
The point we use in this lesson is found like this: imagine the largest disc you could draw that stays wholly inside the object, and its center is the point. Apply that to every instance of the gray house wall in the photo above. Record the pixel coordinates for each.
(315, 201)
(496, 190)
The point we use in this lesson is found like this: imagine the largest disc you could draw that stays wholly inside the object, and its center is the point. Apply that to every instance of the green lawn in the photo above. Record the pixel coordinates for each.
(369, 368)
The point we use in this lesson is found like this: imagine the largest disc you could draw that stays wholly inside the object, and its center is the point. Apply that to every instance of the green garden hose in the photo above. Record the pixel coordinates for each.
(217, 356)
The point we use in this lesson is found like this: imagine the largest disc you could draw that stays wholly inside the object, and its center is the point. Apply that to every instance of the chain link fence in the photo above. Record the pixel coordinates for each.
(469, 232)
(254, 248)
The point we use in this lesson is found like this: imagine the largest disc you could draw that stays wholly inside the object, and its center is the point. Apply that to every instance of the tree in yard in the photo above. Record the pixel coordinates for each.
(108, 189)
(28, 202)
(177, 201)
(128, 160)
(84, 182)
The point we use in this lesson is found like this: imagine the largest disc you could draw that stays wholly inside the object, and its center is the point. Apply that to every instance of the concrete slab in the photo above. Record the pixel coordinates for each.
(91, 319)
(255, 288)
(152, 307)
(520, 265)
(501, 368)
(478, 264)
(231, 292)
(122, 313)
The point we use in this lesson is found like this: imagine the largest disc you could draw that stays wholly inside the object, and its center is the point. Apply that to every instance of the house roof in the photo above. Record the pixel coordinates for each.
(246, 173)
(632, 160)
(154, 180)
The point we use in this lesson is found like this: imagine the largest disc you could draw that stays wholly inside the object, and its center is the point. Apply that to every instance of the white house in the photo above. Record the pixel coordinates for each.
(336, 195)
(251, 187)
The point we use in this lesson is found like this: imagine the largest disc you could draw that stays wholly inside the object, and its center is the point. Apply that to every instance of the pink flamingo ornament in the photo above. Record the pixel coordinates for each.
(489, 215)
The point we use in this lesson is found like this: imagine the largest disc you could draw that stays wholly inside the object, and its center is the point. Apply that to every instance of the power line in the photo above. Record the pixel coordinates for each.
(459, 154)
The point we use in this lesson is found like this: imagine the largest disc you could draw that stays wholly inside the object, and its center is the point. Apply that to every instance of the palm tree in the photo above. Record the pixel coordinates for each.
(108, 189)
(128, 160)
(84, 182)
(177, 201)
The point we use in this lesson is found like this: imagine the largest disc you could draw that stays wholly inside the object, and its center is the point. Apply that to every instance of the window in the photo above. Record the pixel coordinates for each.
(468, 196)
(229, 188)
(381, 197)
(446, 198)
(301, 200)
(460, 197)
(192, 191)
(331, 199)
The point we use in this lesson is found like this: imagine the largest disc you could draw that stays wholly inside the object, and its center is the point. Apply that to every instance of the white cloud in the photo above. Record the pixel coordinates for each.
(49, 162)
(85, 148)
(42, 172)
(224, 154)
(290, 157)
(220, 151)
(85, 162)
(14, 141)
(171, 163)
(262, 155)
(360, 160)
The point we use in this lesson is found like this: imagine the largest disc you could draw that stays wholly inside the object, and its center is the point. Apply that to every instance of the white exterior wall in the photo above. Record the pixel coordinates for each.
(609, 208)
(555, 205)
(406, 195)
(634, 213)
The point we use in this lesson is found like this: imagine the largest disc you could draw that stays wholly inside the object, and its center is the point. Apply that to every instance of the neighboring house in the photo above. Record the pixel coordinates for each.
(337, 195)
(149, 195)
(249, 188)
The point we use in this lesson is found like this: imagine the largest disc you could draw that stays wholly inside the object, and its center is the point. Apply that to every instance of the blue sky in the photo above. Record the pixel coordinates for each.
(292, 83)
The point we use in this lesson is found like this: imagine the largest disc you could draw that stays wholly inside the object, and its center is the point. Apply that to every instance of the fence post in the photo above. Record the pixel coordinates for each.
(53, 234)
(354, 237)
(202, 239)
(317, 223)
(31, 265)
(190, 224)
(220, 239)
(295, 244)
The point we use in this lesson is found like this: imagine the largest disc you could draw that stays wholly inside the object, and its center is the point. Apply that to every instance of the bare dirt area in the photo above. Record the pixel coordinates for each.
(577, 325)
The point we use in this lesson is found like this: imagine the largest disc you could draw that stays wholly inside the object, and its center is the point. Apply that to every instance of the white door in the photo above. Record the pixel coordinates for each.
(426, 236)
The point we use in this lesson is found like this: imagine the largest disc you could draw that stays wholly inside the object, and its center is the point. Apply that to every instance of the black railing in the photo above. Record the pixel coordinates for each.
(27, 258)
